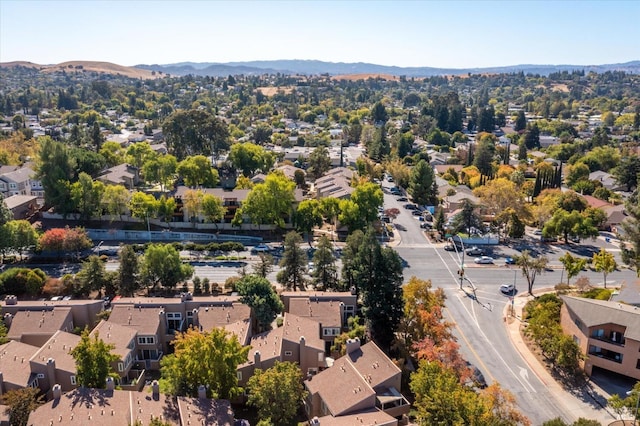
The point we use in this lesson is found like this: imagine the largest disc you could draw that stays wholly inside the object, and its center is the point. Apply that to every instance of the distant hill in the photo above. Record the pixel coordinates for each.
(294, 66)
(90, 66)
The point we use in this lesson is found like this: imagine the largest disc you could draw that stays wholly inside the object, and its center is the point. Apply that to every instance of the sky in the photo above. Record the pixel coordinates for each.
(447, 34)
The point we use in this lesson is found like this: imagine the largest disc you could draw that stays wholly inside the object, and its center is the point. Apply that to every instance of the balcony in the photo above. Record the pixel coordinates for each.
(618, 342)
(392, 402)
(605, 354)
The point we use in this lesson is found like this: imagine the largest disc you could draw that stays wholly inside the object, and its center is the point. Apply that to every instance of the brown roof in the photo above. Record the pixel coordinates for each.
(222, 315)
(59, 348)
(50, 304)
(363, 418)
(213, 412)
(115, 334)
(269, 344)
(295, 327)
(147, 302)
(40, 323)
(342, 376)
(596, 312)
(145, 321)
(326, 312)
(14, 359)
(373, 364)
(241, 329)
(99, 407)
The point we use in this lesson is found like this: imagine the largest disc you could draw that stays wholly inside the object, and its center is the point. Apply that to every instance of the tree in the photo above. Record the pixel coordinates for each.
(270, 202)
(128, 279)
(264, 266)
(325, 273)
(319, 162)
(66, 239)
(627, 172)
(379, 147)
(572, 265)
(330, 208)
(197, 171)
(293, 263)
(194, 132)
(467, 218)
(308, 215)
(349, 259)
(20, 403)
(92, 275)
(22, 236)
(87, 195)
(143, 206)
(55, 171)
(484, 154)
(531, 267)
(166, 208)
(564, 223)
(115, 200)
(421, 186)
(604, 262)
(277, 392)
(5, 213)
(258, 293)
(205, 358)
(161, 265)
(631, 227)
(378, 278)
(368, 197)
(501, 194)
(249, 158)
(93, 359)
(160, 169)
(139, 153)
(3, 331)
(531, 136)
(521, 122)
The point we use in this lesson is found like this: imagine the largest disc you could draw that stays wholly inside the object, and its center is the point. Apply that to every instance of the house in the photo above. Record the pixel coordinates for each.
(110, 407)
(22, 206)
(347, 300)
(366, 379)
(231, 200)
(290, 171)
(35, 328)
(297, 340)
(369, 417)
(607, 180)
(235, 318)
(441, 169)
(608, 334)
(122, 174)
(123, 340)
(83, 312)
(18, 182)
(53, 363)
(328, 314)
(455, 201)
(335, 183)
(14, 366)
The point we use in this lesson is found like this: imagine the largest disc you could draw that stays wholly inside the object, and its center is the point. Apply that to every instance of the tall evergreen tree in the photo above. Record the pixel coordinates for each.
(421, 184)
(293, 263)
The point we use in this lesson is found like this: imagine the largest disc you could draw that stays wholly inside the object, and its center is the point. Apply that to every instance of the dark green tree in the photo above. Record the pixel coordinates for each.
(55, 172)
(531, 136)
(484, 156)
(20, 403)
(293, 263)
(319, 162)
(258, 293)
(421, 184)
(379, 113)
(349, 259)
(194, 132)
(627, 172)
(325, 273)
(128, 272)
(521, 122)
(467, 218)
(93, 359)
(161, 265)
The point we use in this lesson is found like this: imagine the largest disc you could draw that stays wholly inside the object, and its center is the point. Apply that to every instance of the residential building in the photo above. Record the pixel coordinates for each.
(21, 206)
(18, 182)
(35, 328)
(123, 340)
(328, 314)
(83, 312)
(346, 298)
(608, 334)
(122, 174)
(53, 363)
(335, 183)
(14, 366)
(367, 379)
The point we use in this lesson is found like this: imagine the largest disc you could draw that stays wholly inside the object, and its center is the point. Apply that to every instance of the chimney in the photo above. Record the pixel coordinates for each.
(353, 290)
(196, 320)
(302, 350)
(111, 385)
(155, 387)
(256, 360)
(202, 392)
(57, 392)
(1, 383)
(51, 370)
(7, 320)
(11, 300)
(353, 345)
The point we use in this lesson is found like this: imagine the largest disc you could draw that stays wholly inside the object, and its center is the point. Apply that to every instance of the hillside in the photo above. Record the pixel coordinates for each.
(87, 66)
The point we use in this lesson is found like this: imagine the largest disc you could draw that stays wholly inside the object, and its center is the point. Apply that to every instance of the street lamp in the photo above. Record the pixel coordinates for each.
(635, 413)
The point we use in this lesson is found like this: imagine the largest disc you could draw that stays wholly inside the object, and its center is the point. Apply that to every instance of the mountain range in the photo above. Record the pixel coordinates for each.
(295, 66)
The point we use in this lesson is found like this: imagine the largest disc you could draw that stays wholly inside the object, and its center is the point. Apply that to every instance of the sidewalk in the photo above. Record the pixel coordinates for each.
(574, 406)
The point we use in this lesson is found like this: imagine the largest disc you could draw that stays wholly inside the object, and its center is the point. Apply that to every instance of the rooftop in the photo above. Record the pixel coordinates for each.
(596, 312)
(145, 321)
(326, 312)
(45, 322)
(14, 359)
(58, 347)
(115, 334)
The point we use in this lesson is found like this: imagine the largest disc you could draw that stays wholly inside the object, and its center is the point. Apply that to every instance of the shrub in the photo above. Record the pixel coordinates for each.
(19, 281)
(230, 283)
(598, 294)
(53, 287)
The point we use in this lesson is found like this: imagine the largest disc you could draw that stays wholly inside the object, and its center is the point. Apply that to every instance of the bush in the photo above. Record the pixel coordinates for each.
(178, 245)
(53, 287)
(230, 283)
(19, 281)
(598, 294)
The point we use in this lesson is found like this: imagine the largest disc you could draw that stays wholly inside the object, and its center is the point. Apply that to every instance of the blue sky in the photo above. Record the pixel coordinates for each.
(454, 34)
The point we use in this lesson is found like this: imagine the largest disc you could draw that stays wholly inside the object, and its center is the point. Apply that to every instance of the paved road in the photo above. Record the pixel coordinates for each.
(479, 320)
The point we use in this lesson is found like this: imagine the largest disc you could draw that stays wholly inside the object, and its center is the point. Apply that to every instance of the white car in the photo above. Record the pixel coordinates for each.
(261, 248)
(507, 288)
(483, 260)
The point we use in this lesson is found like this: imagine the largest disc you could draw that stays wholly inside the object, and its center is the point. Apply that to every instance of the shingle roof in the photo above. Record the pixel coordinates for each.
(369, 417)
(213, 412)
(296, 327)
(14, 362)
(220, 316)
(326, 312)
(115, 334)
(41, 323)
(59, 348)
(145, 320)
(373, 364)
(596, 312)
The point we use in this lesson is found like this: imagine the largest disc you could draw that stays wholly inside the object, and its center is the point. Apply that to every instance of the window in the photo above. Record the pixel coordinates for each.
(146, 340)
(638, 365)
(12, 186)
(121, 367)
(173, 320)
(239, 375)
(73, 380)
(288, 353)
(34, 384)
(40, 376)
(598, 333)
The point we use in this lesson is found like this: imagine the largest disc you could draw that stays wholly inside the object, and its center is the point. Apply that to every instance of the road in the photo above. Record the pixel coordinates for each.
(479, 320)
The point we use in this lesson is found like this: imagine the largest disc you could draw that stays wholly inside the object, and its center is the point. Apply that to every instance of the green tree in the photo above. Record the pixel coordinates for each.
(55, 171)
(250, 157)
(531, 267)
(160, 169)
(143, 206)
(421, 184)
(368, 197)
(258, 293)
(521, 122)
(330, 208)
(270, 202)
(379, 113)
(22, 235)
(531, 136)
(93, 359)
(205, 358)
(20, 403)
(194, 132)
(319, 162)
(115, 200)
(349, 259)
(627, 172)
(128, 278)
(277, 392)
(572, 265)
(5, 213)
(293, 263)
(166, 208)
(631, 226)
(604, 262)
(87, 196)
(467, 218)
(138, 154)
(564, 223)
(197, 171)
(308, 215)
(325, 273)
(113, 153)
(484, 155)
(92, 275)
(264, 266)
(161, 265)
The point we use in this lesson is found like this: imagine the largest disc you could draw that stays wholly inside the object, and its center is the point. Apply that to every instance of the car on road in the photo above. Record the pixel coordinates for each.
(395, 191)
(475, 251)
(402, 199)
(483, 260)
(261, 248)
(477, 378)
(507, 288)
(509, 260)
(389, 179)
(410, 206)
(450, 247)
(416, 213)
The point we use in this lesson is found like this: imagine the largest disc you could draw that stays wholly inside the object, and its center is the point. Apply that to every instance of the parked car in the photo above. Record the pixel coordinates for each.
(477, 378)
(509, 260)
(394, 191)
(507, 288)
(389, 179)
(475, 251)
(261, 248)
(402, 199)
(426, 225)
(410, 206)
(483, 260)
(449, 247)
(537, 232)
(417, 213)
